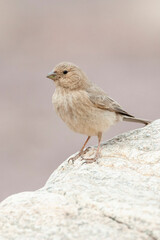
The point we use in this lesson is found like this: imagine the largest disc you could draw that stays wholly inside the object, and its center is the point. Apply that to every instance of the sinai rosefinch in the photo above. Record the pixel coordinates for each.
(83, 106)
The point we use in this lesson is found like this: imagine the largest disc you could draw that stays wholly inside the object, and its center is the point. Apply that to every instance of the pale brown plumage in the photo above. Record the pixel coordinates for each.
(83, 106)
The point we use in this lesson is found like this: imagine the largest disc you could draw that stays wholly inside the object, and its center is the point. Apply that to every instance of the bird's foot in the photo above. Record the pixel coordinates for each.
(91, 160)
(85, 151)
(80, 154)
(73, 159)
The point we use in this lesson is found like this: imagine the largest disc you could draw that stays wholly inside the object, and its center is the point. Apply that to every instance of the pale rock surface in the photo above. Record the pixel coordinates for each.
(116, 198)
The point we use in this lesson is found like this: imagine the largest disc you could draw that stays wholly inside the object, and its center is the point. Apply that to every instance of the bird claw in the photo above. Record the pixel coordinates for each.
(89, 160)
(73, 159)
(85, 151)
(80, 154)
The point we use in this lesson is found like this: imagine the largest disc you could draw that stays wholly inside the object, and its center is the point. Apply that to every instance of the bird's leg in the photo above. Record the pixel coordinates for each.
(91, 160)
(80, 152)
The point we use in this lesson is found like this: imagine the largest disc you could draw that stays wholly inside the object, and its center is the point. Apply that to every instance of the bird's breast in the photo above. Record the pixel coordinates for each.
(79, 113)
(71, 105)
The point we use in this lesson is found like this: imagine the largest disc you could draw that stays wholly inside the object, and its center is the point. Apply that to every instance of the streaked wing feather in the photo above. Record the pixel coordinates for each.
(100, 99)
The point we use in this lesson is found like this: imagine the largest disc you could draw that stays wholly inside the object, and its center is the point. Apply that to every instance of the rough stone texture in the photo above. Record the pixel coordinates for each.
(116, 198)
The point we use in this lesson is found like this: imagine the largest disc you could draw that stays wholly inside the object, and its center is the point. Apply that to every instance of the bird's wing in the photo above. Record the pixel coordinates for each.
(100, 99)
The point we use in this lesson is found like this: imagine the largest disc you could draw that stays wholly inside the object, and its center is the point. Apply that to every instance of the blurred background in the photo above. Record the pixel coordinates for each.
(117, 43)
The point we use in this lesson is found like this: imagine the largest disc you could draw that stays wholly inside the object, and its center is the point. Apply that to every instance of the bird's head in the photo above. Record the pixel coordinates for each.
(68, 75)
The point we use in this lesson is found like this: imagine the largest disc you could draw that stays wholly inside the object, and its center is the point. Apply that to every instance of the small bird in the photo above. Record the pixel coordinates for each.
(83, 106)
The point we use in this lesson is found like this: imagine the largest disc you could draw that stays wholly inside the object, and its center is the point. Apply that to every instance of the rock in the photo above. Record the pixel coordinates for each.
(116, 198)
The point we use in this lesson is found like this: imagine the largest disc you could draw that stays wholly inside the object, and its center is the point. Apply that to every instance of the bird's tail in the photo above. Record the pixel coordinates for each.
(138, 120)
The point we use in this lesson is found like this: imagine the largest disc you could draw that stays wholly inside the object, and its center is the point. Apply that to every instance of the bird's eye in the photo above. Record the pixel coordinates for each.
(65, 72)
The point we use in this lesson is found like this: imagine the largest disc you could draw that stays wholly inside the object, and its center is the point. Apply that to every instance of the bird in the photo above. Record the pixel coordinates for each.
(83, 106)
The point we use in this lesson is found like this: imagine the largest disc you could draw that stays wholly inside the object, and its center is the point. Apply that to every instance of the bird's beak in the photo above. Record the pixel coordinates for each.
(51, 75)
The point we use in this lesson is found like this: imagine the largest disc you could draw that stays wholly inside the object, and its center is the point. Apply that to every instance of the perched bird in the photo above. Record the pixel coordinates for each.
(83, 106)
